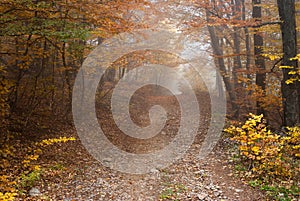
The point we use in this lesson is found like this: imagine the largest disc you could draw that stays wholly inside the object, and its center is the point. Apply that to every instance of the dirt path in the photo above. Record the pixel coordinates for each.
(80, 177)
(187, 179)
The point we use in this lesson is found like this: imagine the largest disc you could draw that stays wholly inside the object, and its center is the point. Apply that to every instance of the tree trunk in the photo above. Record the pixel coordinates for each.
(218, 52)
(247, 41)
(237, 62)
(260, 80)
(290, 92)
(237, 51)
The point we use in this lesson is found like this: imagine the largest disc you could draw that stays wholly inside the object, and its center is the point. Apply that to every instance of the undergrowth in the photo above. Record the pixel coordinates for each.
(20, 168)
(270, 160)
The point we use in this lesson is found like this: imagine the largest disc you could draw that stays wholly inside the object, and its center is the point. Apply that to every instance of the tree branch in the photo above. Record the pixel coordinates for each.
(277, 62)
(264, 24)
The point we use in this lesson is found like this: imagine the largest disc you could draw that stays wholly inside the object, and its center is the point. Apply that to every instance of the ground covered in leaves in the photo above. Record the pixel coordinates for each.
(68, 172)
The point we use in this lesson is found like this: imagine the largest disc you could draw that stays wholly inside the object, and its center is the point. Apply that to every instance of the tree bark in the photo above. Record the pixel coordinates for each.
(290, 92)
(237, 50)
(247, 41)
(260, 80)
(218, 52)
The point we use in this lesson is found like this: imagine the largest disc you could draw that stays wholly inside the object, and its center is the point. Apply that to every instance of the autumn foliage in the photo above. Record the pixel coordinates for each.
(43, 44)
(267, 155)
(13, 181)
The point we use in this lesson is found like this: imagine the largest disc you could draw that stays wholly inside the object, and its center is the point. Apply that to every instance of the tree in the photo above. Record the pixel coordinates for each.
(290, 92)
(43, 44)
(221, 20)
(259, 60)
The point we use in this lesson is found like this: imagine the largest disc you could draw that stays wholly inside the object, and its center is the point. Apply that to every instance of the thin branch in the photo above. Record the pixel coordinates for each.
(264, 24)
(277, 62)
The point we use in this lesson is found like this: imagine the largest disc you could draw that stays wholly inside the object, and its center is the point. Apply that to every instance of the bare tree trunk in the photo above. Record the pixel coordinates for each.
(259, 60)
(237, 65)
(290, 92)
(247, 41)
(217, 50)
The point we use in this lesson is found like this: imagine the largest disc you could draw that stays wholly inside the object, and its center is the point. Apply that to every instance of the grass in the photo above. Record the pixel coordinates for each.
(171, 191)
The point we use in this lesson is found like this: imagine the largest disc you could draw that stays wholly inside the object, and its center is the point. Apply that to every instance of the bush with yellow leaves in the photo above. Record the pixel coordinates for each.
(269, 154)
(8, 187)
(21, 172)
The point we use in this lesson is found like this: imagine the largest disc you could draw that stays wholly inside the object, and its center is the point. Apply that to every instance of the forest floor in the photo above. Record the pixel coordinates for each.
(71, 173)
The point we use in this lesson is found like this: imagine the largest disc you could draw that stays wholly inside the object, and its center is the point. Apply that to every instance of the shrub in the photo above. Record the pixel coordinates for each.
(271, 158)
(268, 154)
(21, 172)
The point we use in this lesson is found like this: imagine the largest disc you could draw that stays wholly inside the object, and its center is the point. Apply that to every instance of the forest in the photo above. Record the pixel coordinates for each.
(149, 100)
